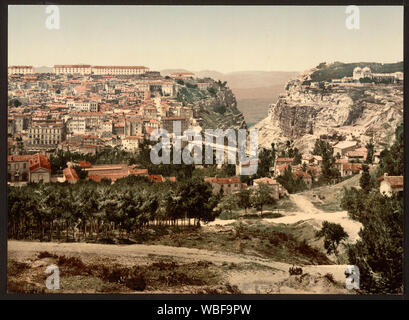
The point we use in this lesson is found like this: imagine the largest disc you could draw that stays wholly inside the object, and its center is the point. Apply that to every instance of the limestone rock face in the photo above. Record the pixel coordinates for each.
(354, 111)
(219, 111)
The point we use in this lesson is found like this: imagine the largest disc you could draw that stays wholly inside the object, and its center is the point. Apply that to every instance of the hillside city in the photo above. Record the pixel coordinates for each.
(88, 109)
(330, 155)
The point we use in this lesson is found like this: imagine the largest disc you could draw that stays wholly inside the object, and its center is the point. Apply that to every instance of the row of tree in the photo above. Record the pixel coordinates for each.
(87, 209)
(247, 198)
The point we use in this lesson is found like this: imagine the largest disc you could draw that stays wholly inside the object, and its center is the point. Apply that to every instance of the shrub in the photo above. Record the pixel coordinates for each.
(329, 277)
(295, 271)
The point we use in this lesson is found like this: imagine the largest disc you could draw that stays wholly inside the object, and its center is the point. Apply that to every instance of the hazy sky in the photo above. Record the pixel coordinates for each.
(222, 38)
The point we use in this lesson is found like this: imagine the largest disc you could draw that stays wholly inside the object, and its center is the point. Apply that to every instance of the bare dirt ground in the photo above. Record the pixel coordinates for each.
(306, 211)
(246, 274)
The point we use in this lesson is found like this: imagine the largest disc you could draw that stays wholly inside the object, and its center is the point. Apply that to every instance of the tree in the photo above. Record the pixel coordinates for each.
(228, 202)
(229, 170)
(333, 234)
(290, 183)
(261, 196)
(15, 103)
(20, 145)
(82, 174)
(244, 199)
(391, 160)
(297, 157)
(379, 251)
(266, 161)
(196, 196)
(324, 149)
(370, 153)
(365, 180)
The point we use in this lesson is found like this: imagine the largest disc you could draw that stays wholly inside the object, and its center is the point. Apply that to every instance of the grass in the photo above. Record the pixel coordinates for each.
(269, 211)
(234, 215)
(331, 195)
(251, 238)
(77, 276)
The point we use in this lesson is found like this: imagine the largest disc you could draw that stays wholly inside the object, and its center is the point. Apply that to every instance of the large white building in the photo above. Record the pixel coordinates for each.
(20, 70)
(359, 73)
(83, 106)
(76, 125)
(99, 70)
(119, 70)
(366, 72)
(72, 69)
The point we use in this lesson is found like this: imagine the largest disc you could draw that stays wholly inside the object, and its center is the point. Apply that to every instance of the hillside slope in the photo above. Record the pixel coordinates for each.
(353, 112)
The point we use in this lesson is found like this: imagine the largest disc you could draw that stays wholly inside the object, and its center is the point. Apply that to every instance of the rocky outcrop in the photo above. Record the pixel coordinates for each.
(217, 109)
(354, 111)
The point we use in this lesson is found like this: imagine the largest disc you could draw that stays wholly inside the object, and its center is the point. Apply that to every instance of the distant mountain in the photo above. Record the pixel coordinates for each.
(43, 69)
(166, 72)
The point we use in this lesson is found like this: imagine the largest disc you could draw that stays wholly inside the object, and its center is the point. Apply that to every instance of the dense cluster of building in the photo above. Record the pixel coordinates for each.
(88, 109)
(74, 110)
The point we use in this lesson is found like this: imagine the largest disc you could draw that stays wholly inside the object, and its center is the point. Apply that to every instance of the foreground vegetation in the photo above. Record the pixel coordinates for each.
(379, 252)
(78, 276)
(89, 210)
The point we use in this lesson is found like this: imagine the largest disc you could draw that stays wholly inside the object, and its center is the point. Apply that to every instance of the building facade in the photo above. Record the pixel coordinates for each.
(72, 69)
(119, 70)
(83, 106)
(45, 136)
(20, 70)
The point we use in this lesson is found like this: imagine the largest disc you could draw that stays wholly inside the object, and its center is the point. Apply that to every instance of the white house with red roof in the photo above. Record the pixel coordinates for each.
(390, 184)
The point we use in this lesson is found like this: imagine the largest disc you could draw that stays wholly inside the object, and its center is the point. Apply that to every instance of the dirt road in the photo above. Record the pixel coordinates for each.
(306, 211)
(270, 279)
(131, 254)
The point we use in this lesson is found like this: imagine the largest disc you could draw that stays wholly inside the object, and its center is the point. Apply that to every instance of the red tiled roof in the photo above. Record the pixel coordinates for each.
(156, 178)
(139, 171)
(85, 164)
(284, 160)
(352, 166)
(39, 161)
(70, 174)
(301, 174)
(35, 161)
(223, 180)
(111, 176)
(173, 118)
(394, 181)
(266, 180)
(19, 67)
(119, 67)
(72, 66)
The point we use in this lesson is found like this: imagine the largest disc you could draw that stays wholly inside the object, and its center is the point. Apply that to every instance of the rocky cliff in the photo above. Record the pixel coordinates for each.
(213, 108)
(307, 111)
